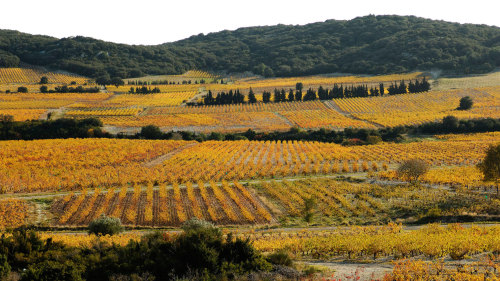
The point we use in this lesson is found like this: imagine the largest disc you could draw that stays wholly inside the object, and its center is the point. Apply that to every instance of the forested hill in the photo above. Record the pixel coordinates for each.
(364, 45)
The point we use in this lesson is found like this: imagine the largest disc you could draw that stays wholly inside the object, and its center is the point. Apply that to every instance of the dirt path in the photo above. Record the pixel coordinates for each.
(285, 119)
(334, 106)
(156, 161)
(163, 158)
(201, 92)
(354, 271)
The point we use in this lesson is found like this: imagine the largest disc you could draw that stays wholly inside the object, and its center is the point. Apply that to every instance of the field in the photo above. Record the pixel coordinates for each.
(91, 163)
(476, 81)
(413, 109)
(124, 112)
(165, 206)
(32, 75)
(338, 205)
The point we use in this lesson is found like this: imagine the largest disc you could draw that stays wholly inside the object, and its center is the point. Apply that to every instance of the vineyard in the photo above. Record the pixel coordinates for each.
(308, 81)
(412, 109)
(340, 202)
(33, 75)
(77, 163)
(13, 213)
(165, 206)
(121, 111)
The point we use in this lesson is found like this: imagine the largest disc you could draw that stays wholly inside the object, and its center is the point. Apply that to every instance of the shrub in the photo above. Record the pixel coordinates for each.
(49, 270)
(280, 257)
(22, 90)
(105, 226)
(465, 103)
(151, 132)
(4, 266)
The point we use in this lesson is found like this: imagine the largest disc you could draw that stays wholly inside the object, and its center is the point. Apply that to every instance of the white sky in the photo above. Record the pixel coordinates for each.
(154, 22)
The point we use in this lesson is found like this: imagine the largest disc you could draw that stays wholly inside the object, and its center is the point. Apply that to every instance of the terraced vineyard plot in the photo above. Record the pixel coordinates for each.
(411, 109)
(224, 122)
(225, 204)
(327, 118)
(43, 101)
(237, 108)
(341, 202)
(23, 114)
(308, 81)
(33, 75)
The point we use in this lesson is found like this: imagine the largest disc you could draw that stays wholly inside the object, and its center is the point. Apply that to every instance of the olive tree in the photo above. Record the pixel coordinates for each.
(105, 226)
(411, 170)
(490, 166)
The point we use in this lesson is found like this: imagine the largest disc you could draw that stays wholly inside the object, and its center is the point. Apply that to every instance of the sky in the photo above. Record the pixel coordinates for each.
(150, 22)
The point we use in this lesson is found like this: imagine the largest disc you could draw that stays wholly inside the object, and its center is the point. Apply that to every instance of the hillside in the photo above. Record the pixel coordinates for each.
(364, 45)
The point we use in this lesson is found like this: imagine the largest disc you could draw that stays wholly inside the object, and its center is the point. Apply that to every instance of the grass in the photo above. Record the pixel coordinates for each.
(486, 80)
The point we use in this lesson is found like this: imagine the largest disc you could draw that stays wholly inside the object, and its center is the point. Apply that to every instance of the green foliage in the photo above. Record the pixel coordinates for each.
(201, 250)
(465, 103)
(22, 89)
(490, 166)
(53, 129)
(105, 226)
(151, 132)
(367, 45)
(309, 206)
(281, 257)
(4, 266)
(49, 270)
(44, 80)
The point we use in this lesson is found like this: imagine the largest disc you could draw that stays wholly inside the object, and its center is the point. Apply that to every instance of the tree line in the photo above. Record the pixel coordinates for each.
(92, 128)
(66, 89)
(144, 90)
(337, 92)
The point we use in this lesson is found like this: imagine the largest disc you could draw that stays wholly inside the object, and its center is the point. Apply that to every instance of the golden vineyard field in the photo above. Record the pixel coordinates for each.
(165, 206)
(411, 109)
(126, 111)
(23, 75)
(47, 165)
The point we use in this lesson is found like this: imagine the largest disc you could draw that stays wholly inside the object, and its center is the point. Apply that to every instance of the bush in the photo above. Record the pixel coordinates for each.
(151, 132)
(280, 257)
(4, 266)
(22, 90)
(465, 103)
(105, 226)
(49, 270)
(412, 170)
(196, 224)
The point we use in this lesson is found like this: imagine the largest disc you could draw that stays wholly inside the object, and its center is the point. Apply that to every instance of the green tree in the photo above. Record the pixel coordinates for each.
(117, 81)
(22, 89)
(44, 80)
(299, 86)
(450, 123)
(44, 89)
(490, 166)
(266, 97)
(251, 96)
(105, 226)
(465, 103)
(151, 132)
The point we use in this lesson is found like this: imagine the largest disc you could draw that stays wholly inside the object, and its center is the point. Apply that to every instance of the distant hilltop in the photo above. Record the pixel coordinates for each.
(364, 45)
